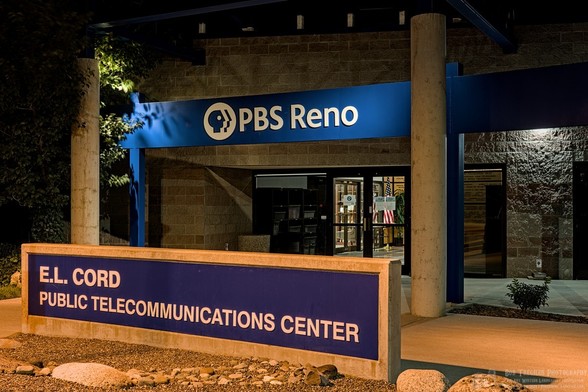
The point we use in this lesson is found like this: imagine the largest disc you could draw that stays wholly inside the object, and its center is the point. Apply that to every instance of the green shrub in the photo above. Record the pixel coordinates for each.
(9, 262)
(528, 296)
(8, 292)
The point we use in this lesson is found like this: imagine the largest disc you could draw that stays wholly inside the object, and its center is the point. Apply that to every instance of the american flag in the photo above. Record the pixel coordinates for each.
(388, 214)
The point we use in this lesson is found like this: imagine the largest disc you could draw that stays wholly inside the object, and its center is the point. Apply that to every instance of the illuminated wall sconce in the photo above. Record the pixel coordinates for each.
(350, 19)
(299, 22)
(201, 28)
(402, 18)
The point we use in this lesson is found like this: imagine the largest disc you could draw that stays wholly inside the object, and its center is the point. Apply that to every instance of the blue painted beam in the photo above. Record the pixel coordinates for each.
(455, 198)
(537, 98)
(183, 13)
(495, 33)
(137, 197)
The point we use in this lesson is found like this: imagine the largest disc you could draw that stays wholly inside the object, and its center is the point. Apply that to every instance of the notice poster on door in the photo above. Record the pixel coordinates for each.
(384, 203)
(348, 200)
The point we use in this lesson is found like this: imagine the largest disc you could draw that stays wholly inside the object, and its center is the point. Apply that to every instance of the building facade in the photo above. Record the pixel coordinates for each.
(204, 197)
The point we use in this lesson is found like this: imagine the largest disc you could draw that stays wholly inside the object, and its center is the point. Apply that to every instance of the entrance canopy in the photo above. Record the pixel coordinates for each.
(548, 97)
(515, 100)
(372, 111)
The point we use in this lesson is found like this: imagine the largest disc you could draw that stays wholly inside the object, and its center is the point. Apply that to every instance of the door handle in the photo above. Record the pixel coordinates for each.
(365, 224)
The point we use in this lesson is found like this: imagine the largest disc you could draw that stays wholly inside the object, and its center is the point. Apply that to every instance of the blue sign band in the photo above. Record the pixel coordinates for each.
(372, 111)
(325, 311)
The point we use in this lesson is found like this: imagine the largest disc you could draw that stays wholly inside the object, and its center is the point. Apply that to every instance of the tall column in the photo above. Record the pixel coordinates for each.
(85, 160)
(428, 128)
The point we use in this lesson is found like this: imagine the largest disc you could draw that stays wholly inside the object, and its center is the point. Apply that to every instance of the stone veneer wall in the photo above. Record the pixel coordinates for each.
(539, 193)
(245, 66)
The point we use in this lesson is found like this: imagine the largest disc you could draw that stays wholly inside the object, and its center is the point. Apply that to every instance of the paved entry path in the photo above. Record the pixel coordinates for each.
(10, 314)
(545, 356)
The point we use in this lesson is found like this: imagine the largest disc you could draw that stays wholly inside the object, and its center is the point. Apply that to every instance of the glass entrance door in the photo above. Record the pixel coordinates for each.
(370, 215)
(389, 217)
(348, 216)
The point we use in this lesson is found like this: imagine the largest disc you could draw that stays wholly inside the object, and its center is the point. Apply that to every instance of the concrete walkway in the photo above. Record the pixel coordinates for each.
(544, 356)
(10, 314)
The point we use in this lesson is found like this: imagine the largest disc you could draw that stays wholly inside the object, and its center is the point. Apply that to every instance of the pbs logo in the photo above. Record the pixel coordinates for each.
(220, 121)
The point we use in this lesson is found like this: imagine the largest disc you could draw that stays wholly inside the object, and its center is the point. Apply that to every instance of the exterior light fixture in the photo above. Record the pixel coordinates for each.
(299, 22)
(350, 19)
(402, 18)
(201, 28)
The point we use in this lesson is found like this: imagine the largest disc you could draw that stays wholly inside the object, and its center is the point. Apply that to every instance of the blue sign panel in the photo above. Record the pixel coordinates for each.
(332, 312)
(524, 99)
(372, 111)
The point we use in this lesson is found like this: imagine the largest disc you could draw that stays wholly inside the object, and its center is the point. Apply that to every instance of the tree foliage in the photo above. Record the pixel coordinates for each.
(122, 63)
(40, 85)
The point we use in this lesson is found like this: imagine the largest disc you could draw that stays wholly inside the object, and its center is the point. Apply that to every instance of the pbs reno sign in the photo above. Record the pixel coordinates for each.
(220, 120)
(338, 114)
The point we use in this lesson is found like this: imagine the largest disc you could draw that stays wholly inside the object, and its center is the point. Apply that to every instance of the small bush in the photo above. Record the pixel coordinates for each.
(528, 296)
(8, 292)
(9, 262)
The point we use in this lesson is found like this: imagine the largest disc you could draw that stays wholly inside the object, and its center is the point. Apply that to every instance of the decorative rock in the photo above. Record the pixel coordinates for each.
(481, 382)
(159, 379)
(330, 371)
(9, 343)
(313, 377)
(416, 380)
(8, 365)
(25, 369)
(246, 372)
(92, 375)
(46, 371)
(145, 381)
(325, 382)
(206, 370)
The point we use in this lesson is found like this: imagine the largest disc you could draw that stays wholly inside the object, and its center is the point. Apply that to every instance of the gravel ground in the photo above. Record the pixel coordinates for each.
(124, 356)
